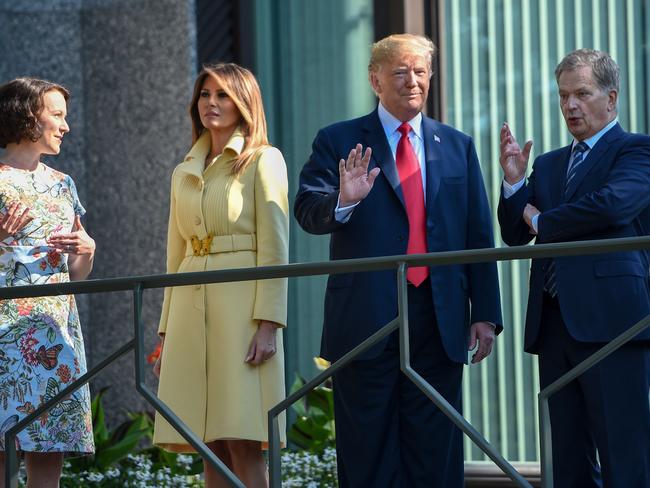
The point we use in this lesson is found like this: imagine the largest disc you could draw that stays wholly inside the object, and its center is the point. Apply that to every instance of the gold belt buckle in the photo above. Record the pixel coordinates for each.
(201, 247)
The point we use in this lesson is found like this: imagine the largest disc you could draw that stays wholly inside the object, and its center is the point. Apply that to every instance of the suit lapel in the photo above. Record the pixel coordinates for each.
(558, 176)
(432, 152)
(381, 153)
(595, 154)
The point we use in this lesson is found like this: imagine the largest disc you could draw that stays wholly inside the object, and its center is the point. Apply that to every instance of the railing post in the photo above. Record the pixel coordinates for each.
(275, 458)
(546, 451)
(403, 317)
(11, 461)
(138, 333)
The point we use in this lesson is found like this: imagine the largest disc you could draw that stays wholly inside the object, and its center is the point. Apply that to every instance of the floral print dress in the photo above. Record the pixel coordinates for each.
(41, 347)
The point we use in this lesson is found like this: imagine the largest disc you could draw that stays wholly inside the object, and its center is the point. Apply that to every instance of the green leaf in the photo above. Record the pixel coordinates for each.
(120, 449)
(51, 335)
(321, 398)
(99, 423)
(297, 383)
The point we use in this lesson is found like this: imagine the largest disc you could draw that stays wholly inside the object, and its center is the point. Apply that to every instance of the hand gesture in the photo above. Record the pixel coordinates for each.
(77, 242)
(263, 344)
(355, 182)
(513, 159)
(481, 333)
(14, 220)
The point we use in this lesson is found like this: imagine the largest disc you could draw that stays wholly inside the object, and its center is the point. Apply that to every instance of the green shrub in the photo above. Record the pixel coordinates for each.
(313, 428)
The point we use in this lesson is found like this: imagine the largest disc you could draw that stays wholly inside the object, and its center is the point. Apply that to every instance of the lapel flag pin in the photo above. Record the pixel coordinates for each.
(436, 138)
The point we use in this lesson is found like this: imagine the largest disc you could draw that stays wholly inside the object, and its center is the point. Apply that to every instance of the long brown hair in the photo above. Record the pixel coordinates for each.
(241, 86)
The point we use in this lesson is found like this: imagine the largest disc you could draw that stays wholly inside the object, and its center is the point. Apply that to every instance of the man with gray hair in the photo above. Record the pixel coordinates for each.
(597, 187)
(416, 188)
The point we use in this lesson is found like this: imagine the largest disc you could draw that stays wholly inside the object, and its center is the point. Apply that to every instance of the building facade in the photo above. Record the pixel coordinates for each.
(130, 65)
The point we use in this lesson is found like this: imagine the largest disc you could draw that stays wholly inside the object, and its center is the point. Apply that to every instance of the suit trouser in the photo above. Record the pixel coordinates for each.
(605, 410)
(388, 433)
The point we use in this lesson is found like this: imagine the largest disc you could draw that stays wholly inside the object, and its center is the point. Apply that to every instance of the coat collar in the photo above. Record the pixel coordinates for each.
(194, 162)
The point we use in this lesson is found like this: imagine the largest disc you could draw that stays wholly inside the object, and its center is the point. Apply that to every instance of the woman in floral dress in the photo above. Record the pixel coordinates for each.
(41, 241)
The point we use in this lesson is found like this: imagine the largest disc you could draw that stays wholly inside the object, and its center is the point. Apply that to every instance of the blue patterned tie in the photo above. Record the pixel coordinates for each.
(577, 157)
(576, 160)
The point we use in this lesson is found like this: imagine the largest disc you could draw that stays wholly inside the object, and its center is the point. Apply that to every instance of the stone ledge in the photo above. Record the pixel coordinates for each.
(485, 474)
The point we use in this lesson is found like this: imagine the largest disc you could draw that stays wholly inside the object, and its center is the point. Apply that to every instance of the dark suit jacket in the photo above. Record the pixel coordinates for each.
(458, 217)
(600, 295)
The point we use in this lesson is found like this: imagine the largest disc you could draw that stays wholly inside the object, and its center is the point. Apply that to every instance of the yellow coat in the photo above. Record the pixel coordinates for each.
(208, 328)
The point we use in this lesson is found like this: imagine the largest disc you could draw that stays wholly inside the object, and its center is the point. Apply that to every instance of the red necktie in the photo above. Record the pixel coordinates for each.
(410, 177)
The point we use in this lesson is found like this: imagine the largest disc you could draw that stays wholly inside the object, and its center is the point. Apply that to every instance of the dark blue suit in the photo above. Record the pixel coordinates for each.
(599, 297)
(357, 305)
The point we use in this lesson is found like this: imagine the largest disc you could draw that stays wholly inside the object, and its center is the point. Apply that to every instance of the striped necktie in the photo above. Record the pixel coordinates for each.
(577, 157)
(576, 160)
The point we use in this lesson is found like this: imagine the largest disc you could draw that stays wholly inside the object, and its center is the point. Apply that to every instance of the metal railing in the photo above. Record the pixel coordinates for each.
(565, 379)
(137, 284)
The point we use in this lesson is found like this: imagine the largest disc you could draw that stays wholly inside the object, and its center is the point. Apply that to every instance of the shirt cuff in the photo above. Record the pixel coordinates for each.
(534, 222)
(343, 214)
(509, 190)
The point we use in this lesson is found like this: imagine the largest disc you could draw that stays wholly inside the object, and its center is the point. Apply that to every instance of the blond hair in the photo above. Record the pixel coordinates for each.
(389, 47)
(242, 88)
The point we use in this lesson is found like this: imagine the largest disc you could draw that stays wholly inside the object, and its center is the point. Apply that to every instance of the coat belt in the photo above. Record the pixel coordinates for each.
(217, 244)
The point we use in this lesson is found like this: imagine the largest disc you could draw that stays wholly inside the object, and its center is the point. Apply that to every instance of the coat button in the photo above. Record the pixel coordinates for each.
(197, 220)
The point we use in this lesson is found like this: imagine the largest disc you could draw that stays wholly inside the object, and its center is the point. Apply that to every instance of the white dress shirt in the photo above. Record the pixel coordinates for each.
(390, 125)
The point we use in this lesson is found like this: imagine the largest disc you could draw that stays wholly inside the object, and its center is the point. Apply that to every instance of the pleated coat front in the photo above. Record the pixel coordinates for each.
(208, 328)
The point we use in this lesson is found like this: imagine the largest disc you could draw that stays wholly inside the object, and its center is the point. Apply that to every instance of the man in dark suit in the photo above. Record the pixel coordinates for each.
(597, 187)
(418, 188)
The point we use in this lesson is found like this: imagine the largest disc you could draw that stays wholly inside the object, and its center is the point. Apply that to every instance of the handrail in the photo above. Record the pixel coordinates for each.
(329, 267)
(137, 284)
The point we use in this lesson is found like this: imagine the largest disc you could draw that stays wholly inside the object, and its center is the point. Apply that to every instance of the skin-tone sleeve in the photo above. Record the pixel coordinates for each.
(272, 224)
(175, 255)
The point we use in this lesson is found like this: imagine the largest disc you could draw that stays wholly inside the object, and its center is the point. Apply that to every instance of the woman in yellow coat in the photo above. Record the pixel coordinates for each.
(222, 367)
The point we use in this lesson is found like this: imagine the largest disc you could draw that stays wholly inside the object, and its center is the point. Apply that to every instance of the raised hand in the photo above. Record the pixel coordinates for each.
(513, 159)
(354, 179)
(14, 220)
(77, 242)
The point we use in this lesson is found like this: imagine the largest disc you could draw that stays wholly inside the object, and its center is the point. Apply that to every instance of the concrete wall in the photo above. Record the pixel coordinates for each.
(130, 66)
